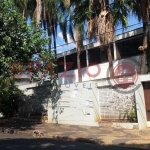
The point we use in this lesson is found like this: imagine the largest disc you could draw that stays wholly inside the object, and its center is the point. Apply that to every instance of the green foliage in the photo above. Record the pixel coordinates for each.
(45, 66)
(132, 117)
(10, 97)
(18, 42)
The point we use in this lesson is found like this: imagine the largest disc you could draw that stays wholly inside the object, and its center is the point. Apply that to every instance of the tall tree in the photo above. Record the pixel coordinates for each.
(18, 43)
(102, 18)
(103, 22)
(79, 13)
(141, 9)
(44, 12)
(79, 30)
(26, 7)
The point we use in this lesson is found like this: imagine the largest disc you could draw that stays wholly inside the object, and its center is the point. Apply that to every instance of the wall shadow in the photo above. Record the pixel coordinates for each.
(44, 143)
(33, 109)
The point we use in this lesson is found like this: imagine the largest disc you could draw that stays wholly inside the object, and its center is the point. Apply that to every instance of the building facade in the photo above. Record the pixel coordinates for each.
(99, 98)
(123, 99)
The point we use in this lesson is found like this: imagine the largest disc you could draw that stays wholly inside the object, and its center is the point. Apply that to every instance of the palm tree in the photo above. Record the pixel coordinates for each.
(141, 9)
(37, 12)
(22, 5)
(44, 12)
(102, 19)
(79, 31)
(79, 13)
(26, 7)
(105, 29)
(49, 19)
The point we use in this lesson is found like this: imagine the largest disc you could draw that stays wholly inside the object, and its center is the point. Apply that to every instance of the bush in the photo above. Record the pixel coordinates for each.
(10, 97)
(132, 117)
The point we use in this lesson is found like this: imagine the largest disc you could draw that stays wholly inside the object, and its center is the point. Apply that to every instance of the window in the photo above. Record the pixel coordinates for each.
(60, 62)
(83, 59)
(129, 47)
(94, 56)
(72, 59)
(99, 55)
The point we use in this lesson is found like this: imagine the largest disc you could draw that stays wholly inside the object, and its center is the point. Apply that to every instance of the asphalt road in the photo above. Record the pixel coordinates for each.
(18, 142)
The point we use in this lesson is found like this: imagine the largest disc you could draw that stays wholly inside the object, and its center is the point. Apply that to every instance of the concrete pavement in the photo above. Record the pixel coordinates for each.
(17, 142)
(104, 135)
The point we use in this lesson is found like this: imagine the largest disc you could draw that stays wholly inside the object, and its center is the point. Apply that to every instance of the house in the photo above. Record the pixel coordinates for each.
(99, 98)
(123, 100)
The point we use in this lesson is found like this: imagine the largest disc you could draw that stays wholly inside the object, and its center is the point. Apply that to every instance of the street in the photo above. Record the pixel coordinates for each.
(18, 142)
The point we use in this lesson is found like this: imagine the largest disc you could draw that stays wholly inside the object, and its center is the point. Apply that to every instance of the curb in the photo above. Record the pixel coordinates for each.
(67, 138)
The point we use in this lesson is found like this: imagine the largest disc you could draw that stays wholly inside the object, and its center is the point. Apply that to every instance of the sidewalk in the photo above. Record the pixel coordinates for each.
(97, 135)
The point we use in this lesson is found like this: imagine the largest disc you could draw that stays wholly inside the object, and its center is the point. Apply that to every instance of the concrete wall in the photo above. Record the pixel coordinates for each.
(140, 105)
(90, 102)
(36, 98)
(141, 102)
(99, 71)
(78, 105)
(84, 103)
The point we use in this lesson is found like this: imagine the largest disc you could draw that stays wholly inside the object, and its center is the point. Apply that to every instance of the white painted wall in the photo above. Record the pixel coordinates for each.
(140, 105)
(77, 105)
(104, 73)
(92, 73)
(25, 87)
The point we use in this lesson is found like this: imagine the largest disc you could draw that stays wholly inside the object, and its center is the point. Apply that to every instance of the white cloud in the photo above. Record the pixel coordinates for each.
(69, 46)
(58, 46)
(60, 35)
(68, 37)
(85, 42)
(59, 51)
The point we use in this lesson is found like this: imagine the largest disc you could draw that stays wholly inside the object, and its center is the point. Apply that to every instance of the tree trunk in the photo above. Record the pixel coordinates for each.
(79, 66)
(148, 55)
(55, 51)
(143, 63)
(37, 12)
(79, 45)
(145, 43)
(54, 40)
(110, 60)
(23, 13)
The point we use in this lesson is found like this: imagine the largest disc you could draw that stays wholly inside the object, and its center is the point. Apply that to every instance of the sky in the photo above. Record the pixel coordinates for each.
(133, 23)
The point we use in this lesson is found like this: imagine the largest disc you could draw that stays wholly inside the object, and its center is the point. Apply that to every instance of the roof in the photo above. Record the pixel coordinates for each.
(96, 44)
